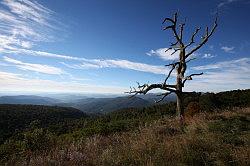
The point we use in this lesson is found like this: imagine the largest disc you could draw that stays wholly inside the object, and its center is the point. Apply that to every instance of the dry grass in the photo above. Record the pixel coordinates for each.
(207, 139)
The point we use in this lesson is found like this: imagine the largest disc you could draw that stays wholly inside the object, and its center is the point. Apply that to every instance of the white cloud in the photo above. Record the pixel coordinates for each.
(96, 63)
(161, 53)
(16, 82)
(34, 67)
(26, 44)
(24, 22)
(83, 65)
(208, 55)
(26, 9)
(221, 76)
(7, 75)
(228, 49)
(124, 64)
(239, 64)
(226, 2)
(41, 54)
(219, 81)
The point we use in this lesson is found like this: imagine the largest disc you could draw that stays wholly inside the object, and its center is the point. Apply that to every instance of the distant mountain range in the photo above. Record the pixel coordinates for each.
(102, 105)
(28, 99)
(87, 104)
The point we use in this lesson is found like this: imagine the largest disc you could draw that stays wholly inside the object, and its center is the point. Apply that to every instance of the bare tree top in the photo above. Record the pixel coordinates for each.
(181, 65)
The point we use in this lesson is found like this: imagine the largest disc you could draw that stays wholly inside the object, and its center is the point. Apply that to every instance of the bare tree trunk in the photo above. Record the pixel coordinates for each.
(180, 74)
(180, 109)
(179, 106)
(179, 103)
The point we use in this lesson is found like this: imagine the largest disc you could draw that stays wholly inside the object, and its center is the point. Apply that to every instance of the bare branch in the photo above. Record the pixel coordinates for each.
(175, 50)
(175, 17)
(205, 38)
(169, 74)
(190, 60)
(168, 27)
(173, 67)
(190, 77)
(164, 95)
(173, 64)
(168, 19)
(207, 31)
(170, 48)
(144, 89)
(181, 30)
(173, 27)
(174, 44)
(192, 38)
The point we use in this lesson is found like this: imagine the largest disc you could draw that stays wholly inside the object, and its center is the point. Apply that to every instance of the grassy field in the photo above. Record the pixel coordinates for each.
(221, 138)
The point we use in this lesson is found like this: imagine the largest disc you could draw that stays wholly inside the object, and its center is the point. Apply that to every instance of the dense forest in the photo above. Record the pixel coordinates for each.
(29, 131)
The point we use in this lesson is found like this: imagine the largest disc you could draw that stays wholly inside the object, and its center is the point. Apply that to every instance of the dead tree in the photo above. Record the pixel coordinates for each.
(185, 52)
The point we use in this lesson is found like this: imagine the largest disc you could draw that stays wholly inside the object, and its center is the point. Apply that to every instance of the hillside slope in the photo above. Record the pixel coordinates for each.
(218, 134)
(206, 139)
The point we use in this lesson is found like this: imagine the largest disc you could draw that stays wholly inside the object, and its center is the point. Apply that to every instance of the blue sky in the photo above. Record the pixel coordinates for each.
(96, 46)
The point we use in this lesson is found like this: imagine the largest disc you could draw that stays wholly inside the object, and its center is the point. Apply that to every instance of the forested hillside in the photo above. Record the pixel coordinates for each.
(17, 118)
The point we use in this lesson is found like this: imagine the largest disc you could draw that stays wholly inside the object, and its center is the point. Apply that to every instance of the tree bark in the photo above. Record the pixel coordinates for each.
(179, 106)
(180, 74)
(180, 109)
(179, 103)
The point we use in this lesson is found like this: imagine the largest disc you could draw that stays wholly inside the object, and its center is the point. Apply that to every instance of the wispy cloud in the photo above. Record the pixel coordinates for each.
(228, 49)
(224, 5)
(16, 82)
(96, 63)
(34, 67)
(26, 9)
(41, 54)
(163, 54)
(239, 64)
(124, 64)
(23, 23)
(7, 75)
(226, 2)
(225, 75)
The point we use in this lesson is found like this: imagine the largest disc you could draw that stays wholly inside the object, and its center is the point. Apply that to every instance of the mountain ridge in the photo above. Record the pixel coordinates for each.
(87, 104)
